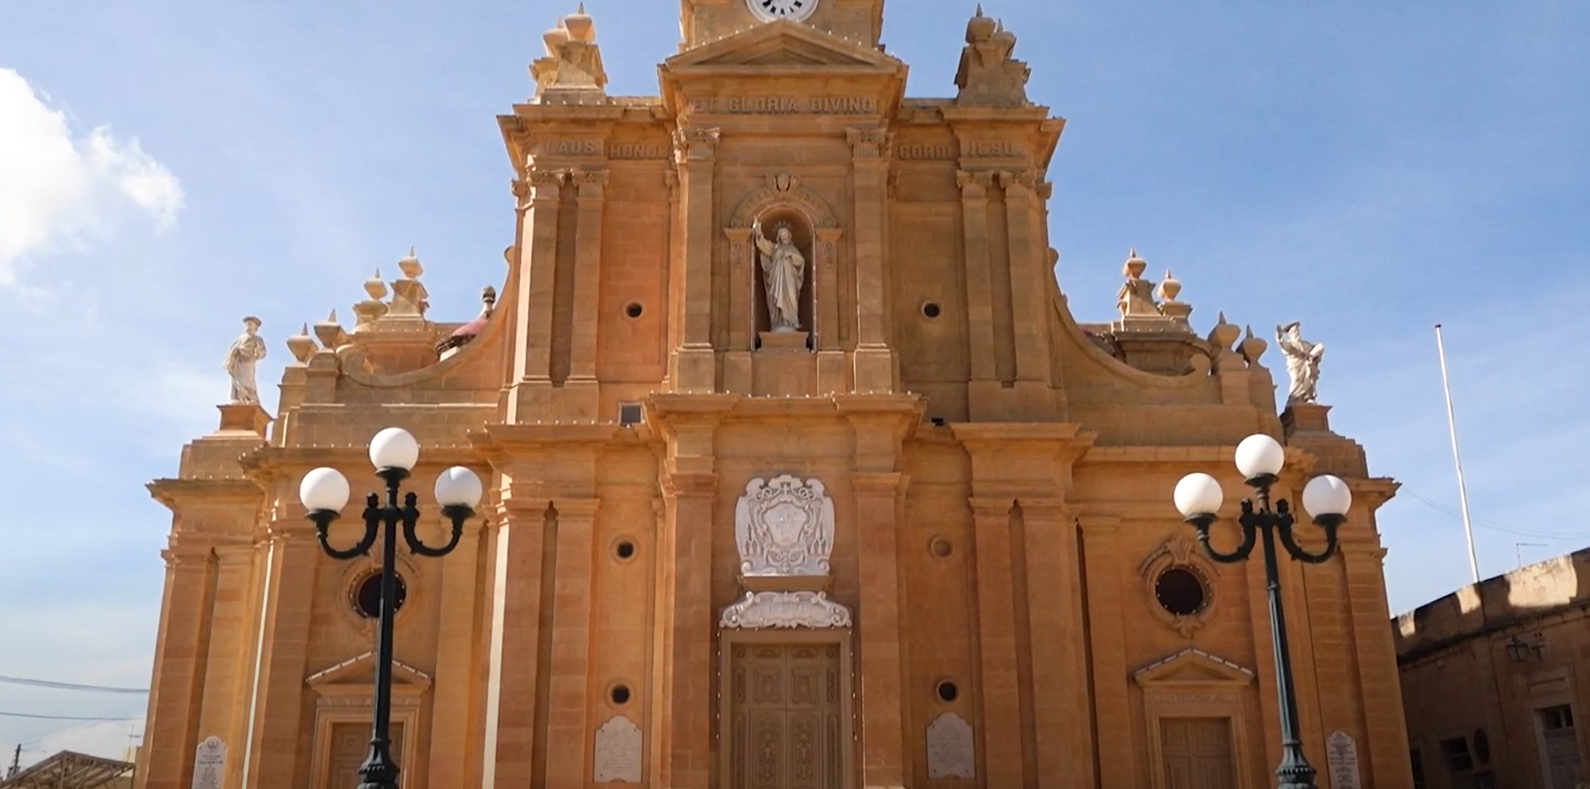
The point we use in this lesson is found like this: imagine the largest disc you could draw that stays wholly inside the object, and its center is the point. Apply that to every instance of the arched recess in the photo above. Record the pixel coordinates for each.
(785, 195)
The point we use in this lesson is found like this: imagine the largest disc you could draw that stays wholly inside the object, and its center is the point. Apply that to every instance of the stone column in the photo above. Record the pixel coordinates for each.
(1112, 703)
(693, 366)
(742, 289)
(1058, 644)
(1027, 255)
(276, 740)
(682, 707)
(515, 550)
(587, 290)
(231, 643)
(883, 759)
(537, 287)
(874, 363)
(831, 373)
(567, 688)
(180, 662)
(1000, 691)
(455, 724)
(979, 295)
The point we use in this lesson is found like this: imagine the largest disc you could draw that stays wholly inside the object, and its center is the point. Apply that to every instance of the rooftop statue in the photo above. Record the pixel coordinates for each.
(989, 76)
(245, 352)
(1302, 362)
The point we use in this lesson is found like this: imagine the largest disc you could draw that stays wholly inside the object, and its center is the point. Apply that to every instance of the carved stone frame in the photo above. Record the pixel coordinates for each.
(728, 638)
(1184, 553)
(1195, 684)
(784, 191)
(343, 696)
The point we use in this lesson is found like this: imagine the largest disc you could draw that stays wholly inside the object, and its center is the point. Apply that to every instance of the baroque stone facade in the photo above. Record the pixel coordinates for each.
(915, 532)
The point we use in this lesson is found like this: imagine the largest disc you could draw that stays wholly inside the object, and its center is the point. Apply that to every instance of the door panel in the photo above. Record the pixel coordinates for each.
(785, 710)
(1197, 753)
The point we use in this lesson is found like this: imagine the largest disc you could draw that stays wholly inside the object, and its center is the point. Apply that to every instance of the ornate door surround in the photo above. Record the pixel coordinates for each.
(839, 638)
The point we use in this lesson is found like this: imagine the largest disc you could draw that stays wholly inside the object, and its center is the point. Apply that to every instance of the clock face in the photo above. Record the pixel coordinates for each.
(770, 10)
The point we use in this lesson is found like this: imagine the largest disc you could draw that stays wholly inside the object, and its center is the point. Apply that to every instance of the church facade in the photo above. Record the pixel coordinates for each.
(800, 473)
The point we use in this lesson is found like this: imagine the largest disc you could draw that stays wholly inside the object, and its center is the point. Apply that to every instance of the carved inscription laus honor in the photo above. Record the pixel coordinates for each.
(949, 748)
(209, 764)
(618, 752)
(1341, 755)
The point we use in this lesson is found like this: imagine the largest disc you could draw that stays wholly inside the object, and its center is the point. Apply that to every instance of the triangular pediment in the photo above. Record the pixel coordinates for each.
(1192, 667)
(783, 44)
(360, 671)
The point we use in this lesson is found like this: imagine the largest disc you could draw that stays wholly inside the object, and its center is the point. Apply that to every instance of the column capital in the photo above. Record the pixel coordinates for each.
(1042, 508)
(591, 182)
(870, 142)
(974, 185)
(583, 509)
(991, 507)
(1099, 524)
(683, 484)
(696, 144)
(879, 484)
(546, 185)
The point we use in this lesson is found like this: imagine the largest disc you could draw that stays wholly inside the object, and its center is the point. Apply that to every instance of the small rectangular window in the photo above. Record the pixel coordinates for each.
(1556, 718)
(1418, 768)
(1456, 753)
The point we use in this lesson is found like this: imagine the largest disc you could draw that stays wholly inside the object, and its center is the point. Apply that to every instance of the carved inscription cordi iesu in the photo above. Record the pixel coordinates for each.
(784, 105)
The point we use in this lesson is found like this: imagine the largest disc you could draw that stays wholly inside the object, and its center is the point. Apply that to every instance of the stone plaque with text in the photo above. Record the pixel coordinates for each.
(618, 752)
(950, 752)
(1341, 756)
(209, 764)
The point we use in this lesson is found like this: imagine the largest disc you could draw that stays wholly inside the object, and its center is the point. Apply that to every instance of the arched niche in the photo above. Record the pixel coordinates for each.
(815, 233)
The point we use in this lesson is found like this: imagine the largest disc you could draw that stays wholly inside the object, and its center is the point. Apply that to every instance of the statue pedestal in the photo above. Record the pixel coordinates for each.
(785, 342)
(1306, 418)
(245, 418)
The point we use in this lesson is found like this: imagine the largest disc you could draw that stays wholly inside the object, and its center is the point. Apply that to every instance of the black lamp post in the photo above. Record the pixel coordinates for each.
(1198, 496)
(324, 493)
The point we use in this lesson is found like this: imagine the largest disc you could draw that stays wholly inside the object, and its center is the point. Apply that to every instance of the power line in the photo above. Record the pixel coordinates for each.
(66, 717)
(1497, 526)
(44, 683)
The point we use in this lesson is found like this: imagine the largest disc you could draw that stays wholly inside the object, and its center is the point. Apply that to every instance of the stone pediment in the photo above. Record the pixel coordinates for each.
(359, 673)
(1192, 667)
(782, 44)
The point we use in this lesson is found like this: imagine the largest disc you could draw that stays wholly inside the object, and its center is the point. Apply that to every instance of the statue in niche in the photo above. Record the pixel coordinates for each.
(1302, 362)
(783, 274)
(245, 352)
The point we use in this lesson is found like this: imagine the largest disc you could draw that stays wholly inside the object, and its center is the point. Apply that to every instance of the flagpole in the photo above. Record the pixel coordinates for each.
(1457, 457)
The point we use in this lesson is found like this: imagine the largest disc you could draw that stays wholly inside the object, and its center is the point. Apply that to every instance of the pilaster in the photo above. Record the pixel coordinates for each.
(175, 699)
(591, 200)
(1112, 710)
(275, 743)
(568, 686)
(514, 670)
(537, 288)
(1058, 642)
(883, 758)
(455, 698)
(874, 361)
(979, 296)
(693, 364)
(1030, 298)
(1000, 691)
(682, 701)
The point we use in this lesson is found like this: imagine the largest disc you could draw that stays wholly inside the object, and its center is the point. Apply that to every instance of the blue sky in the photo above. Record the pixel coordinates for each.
(1370, 169)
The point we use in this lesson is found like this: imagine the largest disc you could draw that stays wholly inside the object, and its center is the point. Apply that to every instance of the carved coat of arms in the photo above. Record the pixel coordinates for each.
(784, 528)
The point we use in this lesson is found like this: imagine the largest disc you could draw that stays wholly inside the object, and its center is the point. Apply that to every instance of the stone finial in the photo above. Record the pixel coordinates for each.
(1135, 300)
(375, 286)
(571, 72)
(488, 298)
(1177, 311)
(241, 357)
(1252, 348)
(330, 332)
(1224, 335)
(409, 297)
(1302, 362)
(988, 75)
(302, 345)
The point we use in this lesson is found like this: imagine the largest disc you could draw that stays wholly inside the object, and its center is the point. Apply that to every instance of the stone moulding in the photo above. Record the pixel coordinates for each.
(785, 610)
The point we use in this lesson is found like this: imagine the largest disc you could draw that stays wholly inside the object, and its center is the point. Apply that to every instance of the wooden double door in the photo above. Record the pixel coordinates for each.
(1197, 753)
(785, 729)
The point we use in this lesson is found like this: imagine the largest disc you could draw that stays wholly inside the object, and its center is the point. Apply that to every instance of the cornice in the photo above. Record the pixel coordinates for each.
(178, 493)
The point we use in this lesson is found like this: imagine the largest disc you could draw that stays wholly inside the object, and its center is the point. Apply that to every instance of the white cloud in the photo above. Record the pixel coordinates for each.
(60, 191)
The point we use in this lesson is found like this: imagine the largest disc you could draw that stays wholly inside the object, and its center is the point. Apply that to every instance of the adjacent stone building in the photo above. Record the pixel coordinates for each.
(801, 472)
(1490, 680)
